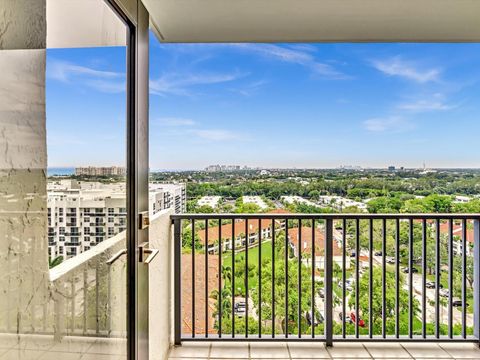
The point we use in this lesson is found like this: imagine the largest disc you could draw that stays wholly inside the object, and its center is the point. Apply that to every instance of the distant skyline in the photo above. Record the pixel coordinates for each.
(272, 105)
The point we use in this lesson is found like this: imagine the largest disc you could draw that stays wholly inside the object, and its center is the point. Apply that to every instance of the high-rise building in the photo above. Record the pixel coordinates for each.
(83, 214)
(100, 171)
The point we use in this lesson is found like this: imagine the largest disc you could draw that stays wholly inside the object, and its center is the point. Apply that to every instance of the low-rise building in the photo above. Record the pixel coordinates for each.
(257, 200)
(297, 199)
(211, 201)
(340, 203)
(101, 171)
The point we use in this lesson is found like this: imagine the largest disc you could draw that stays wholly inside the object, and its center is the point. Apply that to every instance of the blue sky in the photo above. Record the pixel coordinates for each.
(272, 105)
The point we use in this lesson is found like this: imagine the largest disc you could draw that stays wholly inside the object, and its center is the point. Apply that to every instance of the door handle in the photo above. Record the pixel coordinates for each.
(144, 250)
(117, 256)
(151, 255)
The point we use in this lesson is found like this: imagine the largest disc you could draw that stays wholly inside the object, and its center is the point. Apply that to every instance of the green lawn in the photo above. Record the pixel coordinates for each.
(253, 254)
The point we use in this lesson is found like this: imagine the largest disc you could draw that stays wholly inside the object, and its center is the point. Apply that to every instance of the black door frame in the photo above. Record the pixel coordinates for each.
(137, 25)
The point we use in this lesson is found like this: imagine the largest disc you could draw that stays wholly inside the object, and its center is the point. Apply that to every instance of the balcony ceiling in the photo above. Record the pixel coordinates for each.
(315, 20)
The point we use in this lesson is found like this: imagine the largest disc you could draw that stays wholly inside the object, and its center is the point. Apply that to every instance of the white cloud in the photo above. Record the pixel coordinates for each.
(426, 105)
(216, 134)
(294, 54)
(249, 89)
(176, 122)
(100, 80)
(65, 71)
(180, 84)
(397, 67)
(388, 124)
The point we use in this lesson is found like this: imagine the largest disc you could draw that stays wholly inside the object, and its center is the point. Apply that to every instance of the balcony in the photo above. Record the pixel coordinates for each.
(399, 313)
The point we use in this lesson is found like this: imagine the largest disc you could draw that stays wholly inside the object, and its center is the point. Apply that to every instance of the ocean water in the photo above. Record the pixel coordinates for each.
(60, 171)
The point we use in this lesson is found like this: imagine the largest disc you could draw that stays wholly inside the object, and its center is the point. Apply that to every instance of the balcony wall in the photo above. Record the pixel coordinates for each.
(161, 286)
(23, 216)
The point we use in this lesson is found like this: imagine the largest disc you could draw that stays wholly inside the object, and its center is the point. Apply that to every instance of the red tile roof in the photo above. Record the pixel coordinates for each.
(293, 237)
(200, 323)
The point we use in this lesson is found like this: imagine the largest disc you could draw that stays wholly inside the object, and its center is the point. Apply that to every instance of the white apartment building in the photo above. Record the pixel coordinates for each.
(257, 200)
(339, 202)
(211, 201)
(297, 199)
(101, 171)
(83, 214)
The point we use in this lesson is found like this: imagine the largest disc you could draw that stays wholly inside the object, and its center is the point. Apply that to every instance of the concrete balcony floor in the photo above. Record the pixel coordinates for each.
(279, 350)
(43, 347)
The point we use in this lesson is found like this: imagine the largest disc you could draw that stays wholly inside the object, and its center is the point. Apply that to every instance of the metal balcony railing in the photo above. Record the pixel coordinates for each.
(329, 277)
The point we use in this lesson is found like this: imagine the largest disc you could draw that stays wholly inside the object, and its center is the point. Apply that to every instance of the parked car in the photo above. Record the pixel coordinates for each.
(348, 285)
(406, 270)
(361, 322)
(348, 319)
(317, 319)
(457, 302)
(444, 293)
(321, 293)
(390, 260)
(431, 285)
(240, 309)
(378, 253)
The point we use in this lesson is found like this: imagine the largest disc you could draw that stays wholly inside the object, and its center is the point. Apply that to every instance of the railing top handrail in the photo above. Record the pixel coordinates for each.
(333, 216)
(76, 262)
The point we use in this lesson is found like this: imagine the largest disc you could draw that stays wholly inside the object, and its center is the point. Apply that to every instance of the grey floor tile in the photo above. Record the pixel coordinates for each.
(382, 350)
(312, 350)
(425, 350)
(108, 347)
(269, 350)
(230, 350)
(73, 344)
(348, 350)
(196, 350)
(462, 351)
(22, 354)
(48, 355)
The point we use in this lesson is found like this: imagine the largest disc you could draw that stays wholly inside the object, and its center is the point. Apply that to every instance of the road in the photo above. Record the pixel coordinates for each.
(430, 293)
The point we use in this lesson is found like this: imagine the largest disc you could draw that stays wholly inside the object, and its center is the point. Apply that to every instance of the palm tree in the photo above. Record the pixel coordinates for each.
(55, 261)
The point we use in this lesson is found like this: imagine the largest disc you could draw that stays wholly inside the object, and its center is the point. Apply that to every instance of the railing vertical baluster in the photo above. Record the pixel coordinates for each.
(177, 254)
(410, 279)
(246, 276)
(464, 278)
(476, 278)
(370, 278)
(299, 275)
(384, 278)
(437, 278)
(85, 284)
(450, 278)
(357, 275)
(424, 278)
(273, 278)
(193, 278)
(233, 277)
(286, 278)
(344, 274)
(220, 274)
(72, 306)
(109, 300)
(97, 300)
(206, 278)
(259, 278)
(397, 278)
(328, 283)
(313, 281)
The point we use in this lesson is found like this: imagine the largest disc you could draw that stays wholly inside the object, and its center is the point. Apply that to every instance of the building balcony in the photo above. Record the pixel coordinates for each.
(400, 313)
